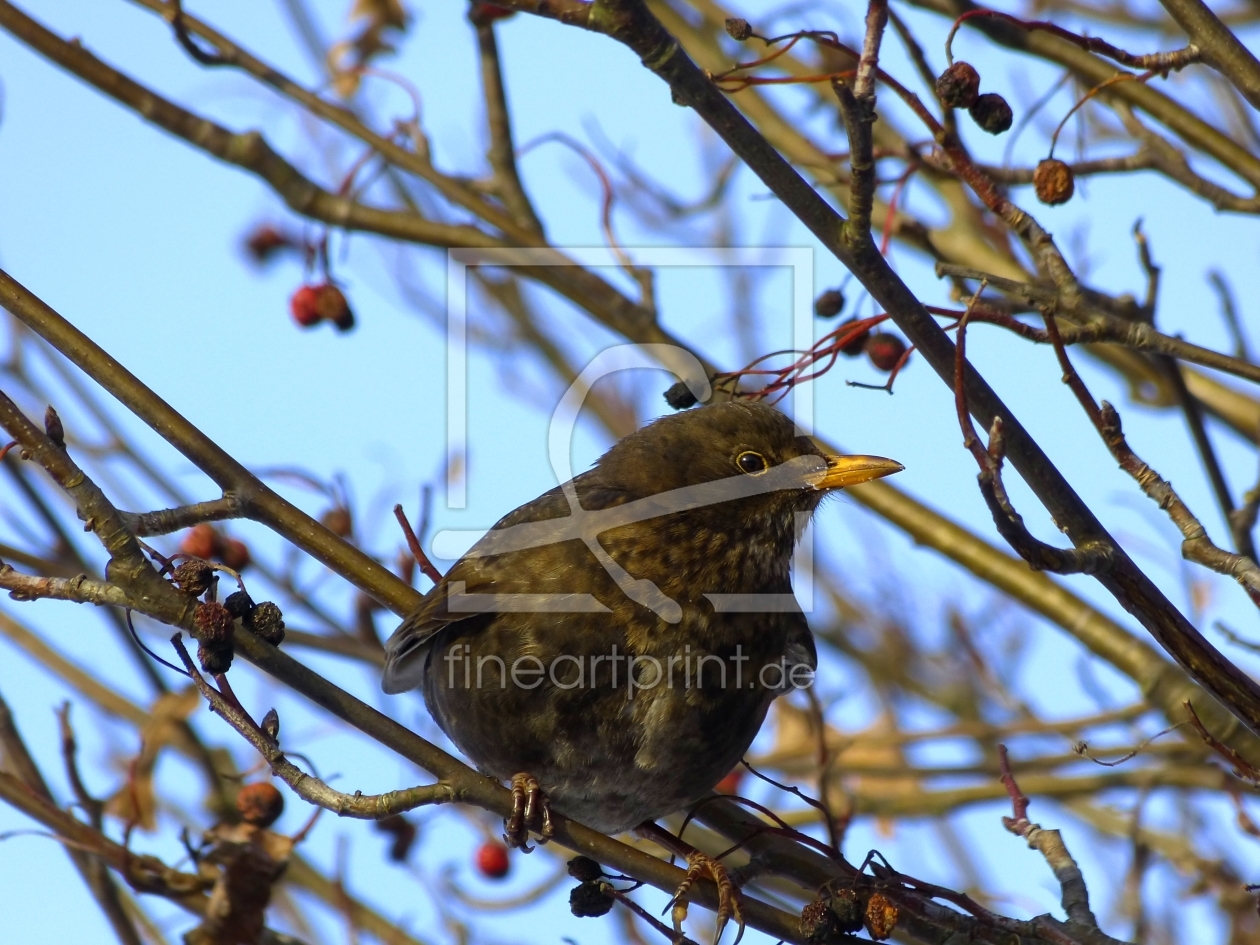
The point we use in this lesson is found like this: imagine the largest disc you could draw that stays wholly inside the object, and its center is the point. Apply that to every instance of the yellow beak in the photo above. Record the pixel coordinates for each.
(850, 470)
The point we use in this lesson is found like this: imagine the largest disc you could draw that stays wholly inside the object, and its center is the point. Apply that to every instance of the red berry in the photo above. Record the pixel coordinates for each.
(334, 307)
(857, 343)
(312, 304)
(885, 350)
(265, 242)
(480, 13)
(492, 860)
(235, 554)
(304, 304)
(260, 804)
(202, 541)
(730, 783)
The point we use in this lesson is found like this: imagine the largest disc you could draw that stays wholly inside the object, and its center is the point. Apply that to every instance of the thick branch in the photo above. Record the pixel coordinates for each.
(1218, 45)
(165, 521)
(80, 589)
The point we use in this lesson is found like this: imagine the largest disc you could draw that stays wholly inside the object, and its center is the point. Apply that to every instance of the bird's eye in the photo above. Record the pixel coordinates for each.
(751, 463)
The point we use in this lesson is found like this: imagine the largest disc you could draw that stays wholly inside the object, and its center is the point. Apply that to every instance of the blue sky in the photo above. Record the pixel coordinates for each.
(134, 237)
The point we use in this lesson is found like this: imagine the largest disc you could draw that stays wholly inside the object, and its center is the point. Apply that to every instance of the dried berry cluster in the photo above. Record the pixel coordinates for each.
(213, 622)
(592, 897)
(826, 919)
(959, 87)
(322, 302)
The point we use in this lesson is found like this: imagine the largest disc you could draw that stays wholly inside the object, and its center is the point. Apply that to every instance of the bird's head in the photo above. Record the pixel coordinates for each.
(740, 451)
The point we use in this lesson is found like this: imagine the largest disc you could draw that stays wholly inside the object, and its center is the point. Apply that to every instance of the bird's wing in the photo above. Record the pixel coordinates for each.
(800, 644)
(407, 648)
(406, 651)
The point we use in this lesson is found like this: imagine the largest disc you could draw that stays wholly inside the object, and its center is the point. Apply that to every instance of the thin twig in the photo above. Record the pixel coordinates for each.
(308, 787)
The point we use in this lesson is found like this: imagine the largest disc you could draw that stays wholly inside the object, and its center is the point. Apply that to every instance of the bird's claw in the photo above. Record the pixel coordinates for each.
(530, 811)
(730, 899)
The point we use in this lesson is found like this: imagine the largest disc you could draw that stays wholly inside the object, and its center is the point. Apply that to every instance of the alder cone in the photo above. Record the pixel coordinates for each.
(193, 577)
(991, 112)
(958, 86)
(213, 623)
(235, 554)
(304, 306)
(881, 916)
(817, 925)
(589, 901)
(680, 397)
(585, 869)
(1053, 182)
(846, 906)
(215, 658)
(267, 621)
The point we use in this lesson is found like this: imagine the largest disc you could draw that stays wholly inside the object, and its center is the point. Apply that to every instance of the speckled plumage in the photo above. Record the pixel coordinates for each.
(613, 757)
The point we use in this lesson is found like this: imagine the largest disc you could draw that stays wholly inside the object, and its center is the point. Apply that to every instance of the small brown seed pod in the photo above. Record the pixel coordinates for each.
(817, 925)
(589, 901)
(1053, 181)
(991, 113)
(260, 804)
(857, 344)
(738, 28)
(958, 86)
(829, 304)
(881, 916)
(585, 869)
(215, 658)
(239, 604)
(680, 397)
(267, 621)
(846, 905)
(193, 577)
(213, 624)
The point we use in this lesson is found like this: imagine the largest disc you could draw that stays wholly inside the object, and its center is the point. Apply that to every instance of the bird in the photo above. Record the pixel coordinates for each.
(613, 646)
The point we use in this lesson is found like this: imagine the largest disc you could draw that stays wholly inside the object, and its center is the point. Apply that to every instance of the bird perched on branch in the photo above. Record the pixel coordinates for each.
(613, 646)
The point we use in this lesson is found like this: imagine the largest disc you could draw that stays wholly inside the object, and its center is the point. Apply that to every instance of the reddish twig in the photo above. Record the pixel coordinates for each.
(1241, 766)
(417, 552)
(1161, 63)
(1019, 803)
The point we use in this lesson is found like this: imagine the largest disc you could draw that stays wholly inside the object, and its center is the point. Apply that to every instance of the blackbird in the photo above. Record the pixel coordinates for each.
(618, 641)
